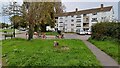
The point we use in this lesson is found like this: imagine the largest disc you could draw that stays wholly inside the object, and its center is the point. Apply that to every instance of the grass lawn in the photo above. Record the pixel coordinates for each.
(51, 33)
(41, 52)
(8, 30)
(109, 47)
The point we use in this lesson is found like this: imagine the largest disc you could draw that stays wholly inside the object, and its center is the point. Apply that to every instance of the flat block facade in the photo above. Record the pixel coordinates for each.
(83, 19)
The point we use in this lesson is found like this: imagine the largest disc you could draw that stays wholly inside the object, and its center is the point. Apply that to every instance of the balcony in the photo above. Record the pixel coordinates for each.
(86, 19)
(85, 25)
(86, 22)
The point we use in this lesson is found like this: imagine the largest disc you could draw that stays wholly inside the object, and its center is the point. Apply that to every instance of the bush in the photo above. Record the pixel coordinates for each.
(103, 30)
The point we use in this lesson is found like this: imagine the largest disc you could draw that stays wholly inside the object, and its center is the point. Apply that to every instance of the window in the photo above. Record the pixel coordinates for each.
(84, 14)
(94, 13)
(103, 17)
(78, 16)
(60, 26)
(78, 20)
(94, 20)
(61, 18)
(87, 19)
(65, 24)
(72, 16)
(56, 17)
(78, 25)
(72, 24)
(72, 20)
(60, 22)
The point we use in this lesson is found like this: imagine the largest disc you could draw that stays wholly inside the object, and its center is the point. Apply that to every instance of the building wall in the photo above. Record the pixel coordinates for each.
(70, 26)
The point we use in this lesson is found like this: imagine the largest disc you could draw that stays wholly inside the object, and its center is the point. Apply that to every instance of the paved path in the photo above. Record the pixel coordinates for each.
(1, 37)
(23, 35)
(105, 59)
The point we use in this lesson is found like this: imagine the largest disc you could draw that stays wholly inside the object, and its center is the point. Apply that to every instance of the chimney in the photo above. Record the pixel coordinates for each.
(102, 6)
(76, 9)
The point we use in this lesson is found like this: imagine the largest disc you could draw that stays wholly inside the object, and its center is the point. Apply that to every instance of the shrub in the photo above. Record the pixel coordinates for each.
(103, 30)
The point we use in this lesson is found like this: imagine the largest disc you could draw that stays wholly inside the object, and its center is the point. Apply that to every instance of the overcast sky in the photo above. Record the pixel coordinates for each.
(72, 4)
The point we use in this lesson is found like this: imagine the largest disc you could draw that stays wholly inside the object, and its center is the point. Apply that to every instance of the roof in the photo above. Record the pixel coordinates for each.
(87, 11)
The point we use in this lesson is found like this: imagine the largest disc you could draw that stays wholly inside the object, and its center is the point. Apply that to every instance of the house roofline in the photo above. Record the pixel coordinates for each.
(87, 11)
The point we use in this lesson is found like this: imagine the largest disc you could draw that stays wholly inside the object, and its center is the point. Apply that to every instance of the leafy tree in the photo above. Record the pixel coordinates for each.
(4, 25)
(39, 14)
(18, 21)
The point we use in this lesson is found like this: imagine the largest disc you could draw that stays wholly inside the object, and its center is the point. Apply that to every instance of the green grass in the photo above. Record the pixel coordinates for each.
(8, 30)
(108, 46)
(41, 52)
(51, 33)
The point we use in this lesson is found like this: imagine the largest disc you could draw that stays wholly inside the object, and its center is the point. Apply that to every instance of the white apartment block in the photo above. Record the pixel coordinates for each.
(83, 19)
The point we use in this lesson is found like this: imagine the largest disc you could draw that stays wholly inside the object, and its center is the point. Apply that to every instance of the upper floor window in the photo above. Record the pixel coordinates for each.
(60, 26)
(84, 14)
(72, 24)
(78, 20)
(78, 25)
(60, 22)
(56, 17)
(78, 16)
(65, 24)
(55, 21)
(103, 17)
(72, 20)
(94, 13)
(94, 20)
(57, 25)
(61, 18)
(87, 19)
(72, 16)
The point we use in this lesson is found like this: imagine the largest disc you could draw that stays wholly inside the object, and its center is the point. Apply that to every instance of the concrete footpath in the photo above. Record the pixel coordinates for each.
(105, 60)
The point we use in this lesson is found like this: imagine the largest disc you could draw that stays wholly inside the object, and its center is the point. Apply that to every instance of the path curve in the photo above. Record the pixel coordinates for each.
(105, 59)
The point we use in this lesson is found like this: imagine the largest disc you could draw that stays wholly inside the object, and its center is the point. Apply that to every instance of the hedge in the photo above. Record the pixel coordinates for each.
(104, 30)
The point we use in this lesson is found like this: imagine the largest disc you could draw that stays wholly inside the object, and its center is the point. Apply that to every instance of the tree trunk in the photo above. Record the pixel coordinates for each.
(30, 32)
(43, 28)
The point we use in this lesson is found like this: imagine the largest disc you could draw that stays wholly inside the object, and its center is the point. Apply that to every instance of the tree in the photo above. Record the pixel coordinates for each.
(14, 10)
(4, 25)
(18, 21)
(59, 7)
(39, 14)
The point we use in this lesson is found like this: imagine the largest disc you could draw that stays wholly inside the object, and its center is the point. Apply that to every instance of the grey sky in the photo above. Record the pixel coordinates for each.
(119, 11)
(71, 5)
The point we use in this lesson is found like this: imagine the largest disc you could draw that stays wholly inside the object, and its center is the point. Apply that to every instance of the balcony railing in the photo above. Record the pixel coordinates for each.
(86, 19)
(87, 25)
